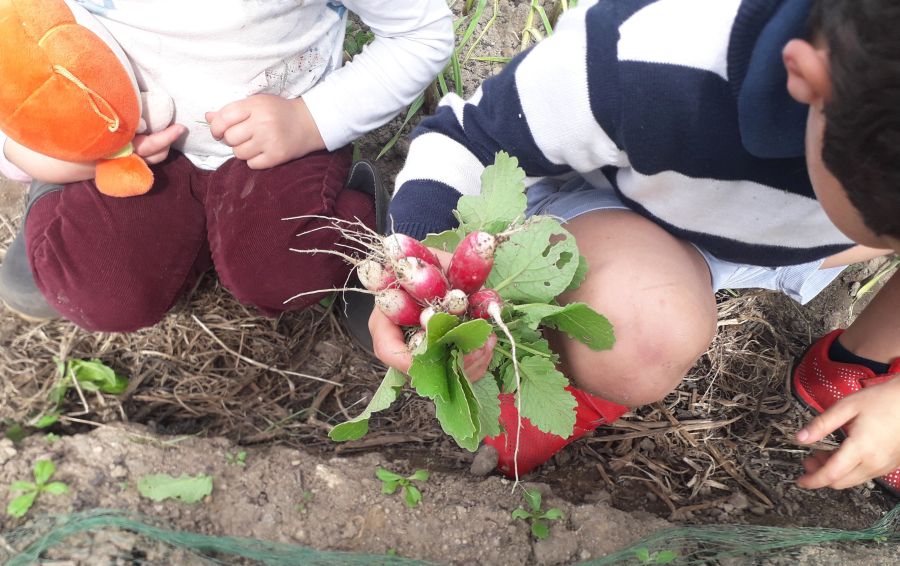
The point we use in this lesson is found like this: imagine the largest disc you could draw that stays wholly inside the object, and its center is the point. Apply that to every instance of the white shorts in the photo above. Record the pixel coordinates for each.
(570, 199)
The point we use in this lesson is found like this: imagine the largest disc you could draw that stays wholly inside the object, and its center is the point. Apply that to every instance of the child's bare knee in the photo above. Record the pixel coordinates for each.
(638, 373)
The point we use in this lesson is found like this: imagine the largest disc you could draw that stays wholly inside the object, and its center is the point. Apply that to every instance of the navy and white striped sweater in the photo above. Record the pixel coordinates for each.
(681, 104)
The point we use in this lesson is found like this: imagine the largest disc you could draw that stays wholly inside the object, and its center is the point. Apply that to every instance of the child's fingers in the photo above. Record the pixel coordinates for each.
(860, 474)
(247, 150)
(229, 115)
(238, 134)
(815, 461)
(476, 362)
(839, 464)
(388, 342)
(829, 421)
(148, 145)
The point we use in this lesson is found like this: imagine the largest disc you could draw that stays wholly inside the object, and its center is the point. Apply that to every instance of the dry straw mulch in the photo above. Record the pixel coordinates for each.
(213, 367)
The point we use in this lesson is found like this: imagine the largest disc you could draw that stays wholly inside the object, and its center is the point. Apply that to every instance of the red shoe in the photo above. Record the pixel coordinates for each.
(819, 383)
(535, 446)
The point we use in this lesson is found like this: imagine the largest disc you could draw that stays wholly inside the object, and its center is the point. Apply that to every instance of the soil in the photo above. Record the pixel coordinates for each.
(717, 451)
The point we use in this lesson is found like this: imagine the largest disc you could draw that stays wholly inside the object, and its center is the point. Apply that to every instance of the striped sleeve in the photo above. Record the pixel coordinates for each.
(538, 109)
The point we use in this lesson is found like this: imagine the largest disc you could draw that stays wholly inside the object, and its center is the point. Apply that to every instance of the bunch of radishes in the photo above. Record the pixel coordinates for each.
(407, 278)
(411, 285)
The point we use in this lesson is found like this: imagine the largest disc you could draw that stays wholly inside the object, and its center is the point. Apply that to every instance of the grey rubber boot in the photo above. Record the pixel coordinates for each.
(17, 288)
(355, 308)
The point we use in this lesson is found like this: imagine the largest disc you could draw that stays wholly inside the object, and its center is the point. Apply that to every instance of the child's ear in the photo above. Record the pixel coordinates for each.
(809, 79)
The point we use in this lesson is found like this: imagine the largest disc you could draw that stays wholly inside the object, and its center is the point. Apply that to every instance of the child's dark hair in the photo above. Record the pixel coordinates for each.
(862, 119)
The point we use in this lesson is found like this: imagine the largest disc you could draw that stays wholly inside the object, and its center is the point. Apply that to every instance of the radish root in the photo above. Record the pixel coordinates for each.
(494, 310)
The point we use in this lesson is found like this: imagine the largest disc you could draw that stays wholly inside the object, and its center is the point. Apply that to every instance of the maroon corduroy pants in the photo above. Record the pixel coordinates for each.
(119, 264)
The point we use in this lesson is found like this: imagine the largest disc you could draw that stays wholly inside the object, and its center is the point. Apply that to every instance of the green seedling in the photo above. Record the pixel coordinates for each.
(355, 40)
(237, 459)
(187, 489)
(43, 471)
(51, 437)
(644, 556)
(15, 431)
(871, 282)
(89, 375)
(391, 481)
(305, 498)
(540, 527)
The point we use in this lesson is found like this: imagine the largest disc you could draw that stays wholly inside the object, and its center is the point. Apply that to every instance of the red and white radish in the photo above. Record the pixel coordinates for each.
(480, 302)
(472, 262)
(399, 246)
(423, 281)
(425, 316)
(455, 302)
(374, 275)
(399, 307)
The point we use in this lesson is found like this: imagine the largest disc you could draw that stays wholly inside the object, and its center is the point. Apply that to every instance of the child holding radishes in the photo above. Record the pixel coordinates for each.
(690, 147)
(264, 110)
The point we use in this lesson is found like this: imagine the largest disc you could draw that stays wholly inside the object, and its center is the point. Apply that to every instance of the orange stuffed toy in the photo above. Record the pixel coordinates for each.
(65, 94)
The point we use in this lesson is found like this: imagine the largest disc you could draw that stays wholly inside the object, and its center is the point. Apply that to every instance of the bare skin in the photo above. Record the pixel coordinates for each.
(266, 130)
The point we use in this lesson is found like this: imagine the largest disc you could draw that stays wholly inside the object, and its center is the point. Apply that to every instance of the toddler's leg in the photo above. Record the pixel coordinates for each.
(251, 243)
(655, 290)
(118, 264)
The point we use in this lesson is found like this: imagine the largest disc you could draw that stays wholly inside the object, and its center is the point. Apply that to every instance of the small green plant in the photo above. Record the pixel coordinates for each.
(43, 471)
(644, 556)
(237, 459)
(188, 489)
(50, 437)
(355, 40)
(391, 481)
(91, 375)
(540, 527)
(305, 498)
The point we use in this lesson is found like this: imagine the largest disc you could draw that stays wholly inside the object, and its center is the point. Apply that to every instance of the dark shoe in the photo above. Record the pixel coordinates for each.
(364, 177)
(17, 287)
(355, 308)
(819, 382)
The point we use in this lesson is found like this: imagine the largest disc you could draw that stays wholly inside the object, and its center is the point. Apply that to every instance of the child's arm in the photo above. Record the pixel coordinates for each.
(555, 108)
(153, 148)
(413, 40)
(48, 169)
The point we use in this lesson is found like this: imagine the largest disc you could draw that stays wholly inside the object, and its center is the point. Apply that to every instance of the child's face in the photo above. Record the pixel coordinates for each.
(809, 82)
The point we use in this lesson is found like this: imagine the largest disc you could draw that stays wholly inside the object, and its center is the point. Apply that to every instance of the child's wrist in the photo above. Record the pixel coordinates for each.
(313, 137)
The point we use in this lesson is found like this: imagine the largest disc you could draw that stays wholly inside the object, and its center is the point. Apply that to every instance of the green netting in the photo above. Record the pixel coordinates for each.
(58, 538)
(708, 543)
(27, 545)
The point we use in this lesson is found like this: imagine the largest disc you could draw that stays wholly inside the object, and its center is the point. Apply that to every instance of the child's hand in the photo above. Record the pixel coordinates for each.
(266, 130)
(390, 346)
(871, 420)
(154, 148)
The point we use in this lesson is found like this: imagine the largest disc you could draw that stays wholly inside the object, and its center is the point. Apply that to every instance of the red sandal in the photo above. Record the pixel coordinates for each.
(819, 383)
(535, 446)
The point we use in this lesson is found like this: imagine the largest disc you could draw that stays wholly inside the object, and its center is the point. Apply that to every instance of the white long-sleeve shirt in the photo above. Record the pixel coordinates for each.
(205, 54)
